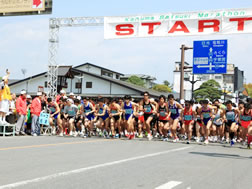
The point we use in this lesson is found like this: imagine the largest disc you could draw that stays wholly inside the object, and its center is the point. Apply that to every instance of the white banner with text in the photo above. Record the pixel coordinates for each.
(233, 21)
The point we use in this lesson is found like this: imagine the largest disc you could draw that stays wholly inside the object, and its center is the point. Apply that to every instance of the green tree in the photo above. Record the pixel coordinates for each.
(162, 88)
(249, 88)
(136, 81)
(167, 83)
(208, 90)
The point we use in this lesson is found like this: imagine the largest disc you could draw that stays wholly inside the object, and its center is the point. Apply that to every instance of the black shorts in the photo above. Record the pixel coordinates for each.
(217, 125)
(199, 121)
(136, 119)
(229, 123)
(78, 118)
(146, 116)
(163, 121)
(116, 117)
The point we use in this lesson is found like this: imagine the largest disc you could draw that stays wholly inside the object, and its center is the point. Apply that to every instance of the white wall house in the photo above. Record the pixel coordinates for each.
(91, 82)
(92, 68)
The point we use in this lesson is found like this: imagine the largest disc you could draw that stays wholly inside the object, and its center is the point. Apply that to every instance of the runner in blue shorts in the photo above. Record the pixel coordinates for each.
(206, 117)
(173, 109)
(128, 109)
(55, 116)
(88, 110)
(103, 117)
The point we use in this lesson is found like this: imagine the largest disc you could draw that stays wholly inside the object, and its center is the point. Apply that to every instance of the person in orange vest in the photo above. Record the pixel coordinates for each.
(5, 97)
(36, 109)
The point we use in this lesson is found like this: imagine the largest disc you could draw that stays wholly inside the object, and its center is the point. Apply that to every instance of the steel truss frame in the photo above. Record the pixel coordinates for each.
(54, 26)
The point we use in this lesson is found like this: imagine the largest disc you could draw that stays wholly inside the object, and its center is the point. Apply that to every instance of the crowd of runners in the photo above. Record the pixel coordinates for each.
(163, 118)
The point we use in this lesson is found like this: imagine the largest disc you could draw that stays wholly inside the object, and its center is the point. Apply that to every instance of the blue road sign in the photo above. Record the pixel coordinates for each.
(210, 57)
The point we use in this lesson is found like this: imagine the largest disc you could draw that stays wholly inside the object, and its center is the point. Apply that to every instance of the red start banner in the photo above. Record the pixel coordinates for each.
(231, 21)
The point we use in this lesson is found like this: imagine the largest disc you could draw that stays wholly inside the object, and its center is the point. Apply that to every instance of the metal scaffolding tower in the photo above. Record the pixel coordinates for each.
(54, 26)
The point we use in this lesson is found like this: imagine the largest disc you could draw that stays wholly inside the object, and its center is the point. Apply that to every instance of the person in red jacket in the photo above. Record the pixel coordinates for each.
(21, 107)
(35, 112)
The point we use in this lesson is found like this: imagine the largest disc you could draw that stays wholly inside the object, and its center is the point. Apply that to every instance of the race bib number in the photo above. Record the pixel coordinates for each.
(44, 119)
(113, 111)
(230, 117)
(128, 111)
(71, 113)
(206, 115)
(52, 109)
(162, 114)
(173, 111)
(188, 117)
(87, 111)
(148, 110)
(246, 118)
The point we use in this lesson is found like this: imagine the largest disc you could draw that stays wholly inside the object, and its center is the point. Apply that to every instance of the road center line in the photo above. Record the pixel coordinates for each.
(46, 145)
(53, 176)
(169, 185)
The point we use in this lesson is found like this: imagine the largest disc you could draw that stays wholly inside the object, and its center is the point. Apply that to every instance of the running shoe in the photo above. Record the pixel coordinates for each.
(117, 136)
(197, 140)
(128, 136)
(61, 134)
(206, 141)
(248, 146)
(54, 131)
(165, 139)
(132, 136)
(75, 134)
(100, 134)
(188, 142)
(140, 136)
(210, 139)
(232, 143)
(146, 134)
(150, 137)
(175, 140)
(71, 133)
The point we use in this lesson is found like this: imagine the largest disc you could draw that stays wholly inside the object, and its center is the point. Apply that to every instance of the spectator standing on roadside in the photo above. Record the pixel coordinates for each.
(12, 114)
(21, 107)
(5, 97)
(36, 109)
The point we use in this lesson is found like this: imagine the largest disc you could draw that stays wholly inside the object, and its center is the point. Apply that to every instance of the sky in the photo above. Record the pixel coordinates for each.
(24, 39)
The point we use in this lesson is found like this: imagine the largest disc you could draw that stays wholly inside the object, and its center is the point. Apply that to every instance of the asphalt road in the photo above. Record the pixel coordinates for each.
(54, 162)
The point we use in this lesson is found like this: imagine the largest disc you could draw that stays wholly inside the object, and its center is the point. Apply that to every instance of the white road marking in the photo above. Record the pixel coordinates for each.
(53, 176)
(169, 185)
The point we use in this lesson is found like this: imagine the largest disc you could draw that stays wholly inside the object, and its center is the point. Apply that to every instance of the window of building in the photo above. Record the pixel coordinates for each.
(117, 76)
(106, 73)
(205, 77)
(89, 85)
(78, 85)
(228, 79)
(45, 84)
(218, 77)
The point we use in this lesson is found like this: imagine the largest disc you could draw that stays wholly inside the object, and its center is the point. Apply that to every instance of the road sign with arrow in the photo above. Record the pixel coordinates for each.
(210, 57)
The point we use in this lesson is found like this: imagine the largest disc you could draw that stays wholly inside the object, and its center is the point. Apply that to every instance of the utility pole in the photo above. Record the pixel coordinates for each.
(182, 94)
(182, 73)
